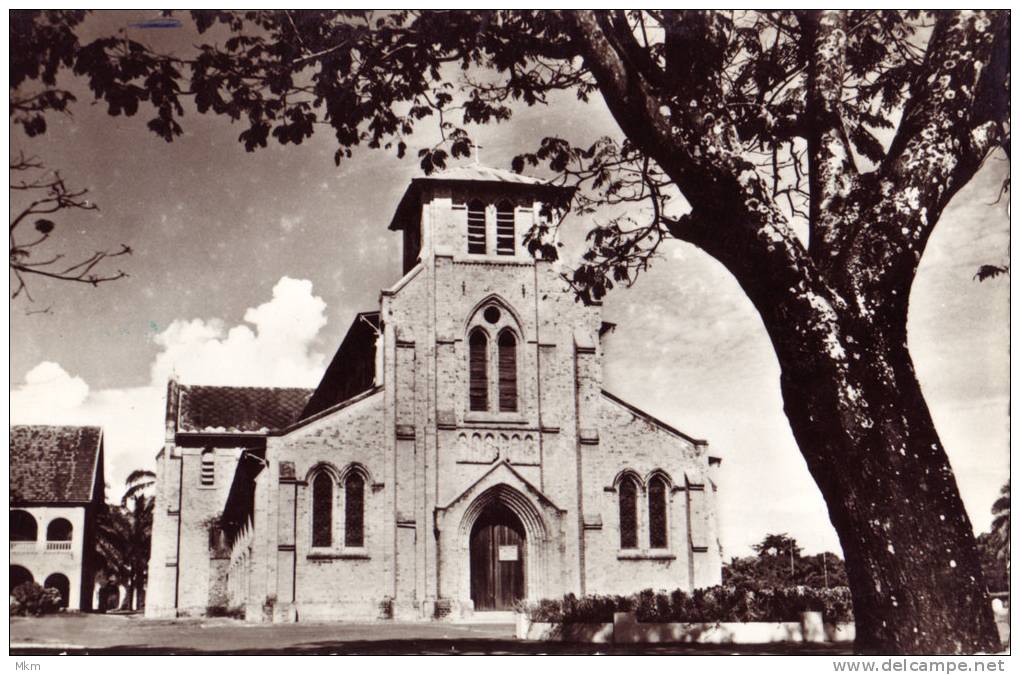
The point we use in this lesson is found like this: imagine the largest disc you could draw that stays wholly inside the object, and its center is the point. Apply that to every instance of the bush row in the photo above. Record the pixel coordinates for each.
(705, 605)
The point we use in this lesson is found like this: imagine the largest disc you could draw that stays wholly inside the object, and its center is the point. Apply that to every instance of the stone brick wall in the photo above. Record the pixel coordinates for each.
(160, 593)
(180, 495)
(338, 582)
(631, 442)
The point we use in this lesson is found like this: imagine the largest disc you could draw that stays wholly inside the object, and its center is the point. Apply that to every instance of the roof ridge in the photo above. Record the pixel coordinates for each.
(243, 386)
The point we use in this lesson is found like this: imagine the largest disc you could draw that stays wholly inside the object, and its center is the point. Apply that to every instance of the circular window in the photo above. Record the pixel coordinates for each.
(491, 314)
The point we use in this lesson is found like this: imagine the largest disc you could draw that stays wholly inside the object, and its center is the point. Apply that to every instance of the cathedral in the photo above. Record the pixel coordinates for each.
(459, 455)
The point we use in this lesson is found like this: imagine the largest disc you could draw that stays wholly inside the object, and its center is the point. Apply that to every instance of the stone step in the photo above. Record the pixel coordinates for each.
(490, 617)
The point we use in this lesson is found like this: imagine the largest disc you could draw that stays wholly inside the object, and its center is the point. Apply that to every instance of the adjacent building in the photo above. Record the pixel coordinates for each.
(459, 455)
(56, 491)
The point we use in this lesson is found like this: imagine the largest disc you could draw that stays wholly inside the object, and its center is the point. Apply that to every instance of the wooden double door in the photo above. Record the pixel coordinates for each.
(497, 559)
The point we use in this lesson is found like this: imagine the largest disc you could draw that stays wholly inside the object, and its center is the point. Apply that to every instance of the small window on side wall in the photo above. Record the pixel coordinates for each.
(208, 467)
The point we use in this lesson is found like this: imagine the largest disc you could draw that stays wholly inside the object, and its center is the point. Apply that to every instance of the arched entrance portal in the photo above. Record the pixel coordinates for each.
(497, 559)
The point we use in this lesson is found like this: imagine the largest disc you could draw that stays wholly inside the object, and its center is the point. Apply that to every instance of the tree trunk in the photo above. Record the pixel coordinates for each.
(860, 419)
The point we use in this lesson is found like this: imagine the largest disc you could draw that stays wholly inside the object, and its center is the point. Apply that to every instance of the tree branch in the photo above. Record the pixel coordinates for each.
(938, 148)
(831, 171)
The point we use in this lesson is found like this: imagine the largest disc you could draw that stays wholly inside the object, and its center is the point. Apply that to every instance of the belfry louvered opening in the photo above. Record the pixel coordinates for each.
(505, 228)
(476, 227)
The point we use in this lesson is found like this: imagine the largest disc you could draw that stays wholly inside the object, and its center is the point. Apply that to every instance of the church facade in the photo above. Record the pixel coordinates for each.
(459, 455)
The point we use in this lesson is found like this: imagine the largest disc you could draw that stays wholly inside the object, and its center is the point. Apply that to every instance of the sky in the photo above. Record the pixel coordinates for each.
(249, 267)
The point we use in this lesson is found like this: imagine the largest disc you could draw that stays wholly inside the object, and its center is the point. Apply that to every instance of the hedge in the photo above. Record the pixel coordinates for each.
(706, 605)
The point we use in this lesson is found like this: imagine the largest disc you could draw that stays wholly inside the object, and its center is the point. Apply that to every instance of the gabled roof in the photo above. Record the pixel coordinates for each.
(655, 421)
(54, 463)
(219, 410)
(352, 370)
(410, 203)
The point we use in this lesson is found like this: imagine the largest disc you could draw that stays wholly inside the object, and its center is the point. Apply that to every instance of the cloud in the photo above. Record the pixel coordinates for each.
(272, 348)
(49, 394)
(277, 351)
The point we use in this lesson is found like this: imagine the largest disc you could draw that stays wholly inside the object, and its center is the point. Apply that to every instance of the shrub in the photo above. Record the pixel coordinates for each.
(224, 611)
(705, 605)
(31, 599)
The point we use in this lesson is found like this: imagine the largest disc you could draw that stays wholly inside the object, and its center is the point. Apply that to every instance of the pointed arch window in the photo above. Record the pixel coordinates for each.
(657, 537)
(628, 512)
(478, 347)
(322, 510)
(354, 510)
(505, 228)
(476, 226)
(507, 355)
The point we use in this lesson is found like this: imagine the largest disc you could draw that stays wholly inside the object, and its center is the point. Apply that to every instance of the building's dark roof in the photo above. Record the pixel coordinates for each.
(222, 410)
(352, 370)
(54, 463)
(407, 208)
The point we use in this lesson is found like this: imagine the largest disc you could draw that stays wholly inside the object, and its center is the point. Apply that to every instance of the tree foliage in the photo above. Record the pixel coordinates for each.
(124, 534)
(780, 564)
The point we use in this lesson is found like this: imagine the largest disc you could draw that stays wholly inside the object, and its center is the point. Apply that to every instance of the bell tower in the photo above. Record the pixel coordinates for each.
(471, 213)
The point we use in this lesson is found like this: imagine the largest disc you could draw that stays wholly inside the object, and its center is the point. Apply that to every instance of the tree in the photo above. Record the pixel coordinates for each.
(125, 535)
(780, 564)
(34, 190)
(1000, 524)
(737, 128)
(44, 193)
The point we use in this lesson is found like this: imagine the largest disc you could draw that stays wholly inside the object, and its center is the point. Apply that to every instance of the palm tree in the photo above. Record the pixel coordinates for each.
(125, 535)
(137, 504)
(1000, 524)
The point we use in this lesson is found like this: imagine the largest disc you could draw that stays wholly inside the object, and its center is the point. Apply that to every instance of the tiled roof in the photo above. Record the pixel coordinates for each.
(482, 173)
(53, 463)
(239, 409)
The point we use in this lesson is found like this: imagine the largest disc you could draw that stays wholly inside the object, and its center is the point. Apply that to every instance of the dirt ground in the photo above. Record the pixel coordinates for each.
(132, 634)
